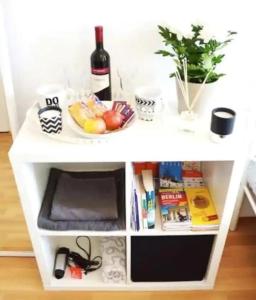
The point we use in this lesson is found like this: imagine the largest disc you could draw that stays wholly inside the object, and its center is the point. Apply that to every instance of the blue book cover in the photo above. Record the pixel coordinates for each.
(170, 174)
(137, 216)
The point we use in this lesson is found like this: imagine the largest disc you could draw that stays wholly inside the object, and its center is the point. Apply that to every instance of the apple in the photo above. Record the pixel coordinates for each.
(113, 119)
(95, 125)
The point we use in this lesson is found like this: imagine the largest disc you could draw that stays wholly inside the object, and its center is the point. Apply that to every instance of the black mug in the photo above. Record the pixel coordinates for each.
(222, 123)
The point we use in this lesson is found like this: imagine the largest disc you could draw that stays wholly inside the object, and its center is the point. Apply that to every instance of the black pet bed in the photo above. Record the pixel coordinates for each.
(84, 201)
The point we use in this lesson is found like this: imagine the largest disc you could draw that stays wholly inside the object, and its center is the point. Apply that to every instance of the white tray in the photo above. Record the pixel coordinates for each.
(71, 132)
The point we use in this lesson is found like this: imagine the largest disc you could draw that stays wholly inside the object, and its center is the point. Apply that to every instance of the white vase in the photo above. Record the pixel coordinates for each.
(203, 103)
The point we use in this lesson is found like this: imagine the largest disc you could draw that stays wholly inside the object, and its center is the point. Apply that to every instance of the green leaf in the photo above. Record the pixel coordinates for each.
(181, 49)
(164, 32)
(197, 30)
(164, 53)
(217, 59)
(201, 56)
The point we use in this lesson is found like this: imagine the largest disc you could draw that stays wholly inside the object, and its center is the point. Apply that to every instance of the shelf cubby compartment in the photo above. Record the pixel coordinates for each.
(170, 258)
(217, 176)
(92, 280)
(36, 176)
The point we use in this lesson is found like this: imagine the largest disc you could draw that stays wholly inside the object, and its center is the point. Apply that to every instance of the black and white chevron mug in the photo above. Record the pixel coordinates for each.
(149, 102)
(50, 118)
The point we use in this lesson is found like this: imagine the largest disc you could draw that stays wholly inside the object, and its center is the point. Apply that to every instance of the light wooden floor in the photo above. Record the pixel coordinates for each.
(13, 231)
(19, 277)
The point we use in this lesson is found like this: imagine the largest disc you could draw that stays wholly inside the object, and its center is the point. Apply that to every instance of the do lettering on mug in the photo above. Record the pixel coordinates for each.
(51, 95)
(52, 101)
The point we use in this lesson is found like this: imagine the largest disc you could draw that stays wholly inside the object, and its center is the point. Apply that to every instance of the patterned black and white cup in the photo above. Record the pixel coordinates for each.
(149, 102)
(50, 119)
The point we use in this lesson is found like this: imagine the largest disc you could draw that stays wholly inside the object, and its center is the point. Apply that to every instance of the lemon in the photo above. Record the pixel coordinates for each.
(95, 125)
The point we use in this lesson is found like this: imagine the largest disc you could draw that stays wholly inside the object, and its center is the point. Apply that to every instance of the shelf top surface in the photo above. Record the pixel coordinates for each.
(161, 139)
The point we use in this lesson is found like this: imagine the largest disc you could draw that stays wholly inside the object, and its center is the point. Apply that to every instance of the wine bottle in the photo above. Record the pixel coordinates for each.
(100, 68)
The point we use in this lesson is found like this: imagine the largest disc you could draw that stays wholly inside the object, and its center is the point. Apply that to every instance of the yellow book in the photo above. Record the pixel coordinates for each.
(202, 209)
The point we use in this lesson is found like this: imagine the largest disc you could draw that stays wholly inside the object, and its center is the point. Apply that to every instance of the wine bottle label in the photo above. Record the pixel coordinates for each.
(99, 82)
(102, 71)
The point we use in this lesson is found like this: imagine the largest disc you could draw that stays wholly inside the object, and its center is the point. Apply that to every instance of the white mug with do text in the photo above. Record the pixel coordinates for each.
(51, 95)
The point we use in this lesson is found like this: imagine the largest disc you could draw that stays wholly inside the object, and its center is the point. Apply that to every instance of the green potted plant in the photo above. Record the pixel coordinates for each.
(196, 55)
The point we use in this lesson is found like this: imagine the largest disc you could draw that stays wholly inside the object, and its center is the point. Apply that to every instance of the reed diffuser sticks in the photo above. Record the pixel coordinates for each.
(183, 84)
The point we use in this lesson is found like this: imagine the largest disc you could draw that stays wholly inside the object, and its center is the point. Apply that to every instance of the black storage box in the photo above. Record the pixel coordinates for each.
(170, 258)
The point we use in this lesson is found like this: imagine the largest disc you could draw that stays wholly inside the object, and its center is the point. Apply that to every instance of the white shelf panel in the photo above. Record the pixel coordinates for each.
(95, 283)
(92, 280)
(33, 146)
(150, 232)
(74, 233)
(171, 285)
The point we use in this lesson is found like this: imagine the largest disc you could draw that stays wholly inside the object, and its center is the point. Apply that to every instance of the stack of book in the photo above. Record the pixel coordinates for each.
(192, 178)
(189, 205)
(202, 209)
(174, 209)
(189, 208)
(185, 202)
(143, 203)
(170, 174)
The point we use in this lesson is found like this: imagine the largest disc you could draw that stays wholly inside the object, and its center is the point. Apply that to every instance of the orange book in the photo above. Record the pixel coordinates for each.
(140, 166)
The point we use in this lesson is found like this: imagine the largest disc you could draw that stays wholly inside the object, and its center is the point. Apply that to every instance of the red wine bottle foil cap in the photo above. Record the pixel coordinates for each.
(99, 34)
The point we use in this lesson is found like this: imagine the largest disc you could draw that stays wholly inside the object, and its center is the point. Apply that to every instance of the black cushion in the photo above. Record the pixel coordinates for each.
(92, 218)
(83, 196)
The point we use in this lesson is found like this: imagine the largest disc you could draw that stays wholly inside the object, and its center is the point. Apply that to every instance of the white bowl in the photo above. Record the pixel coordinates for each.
(77, 129)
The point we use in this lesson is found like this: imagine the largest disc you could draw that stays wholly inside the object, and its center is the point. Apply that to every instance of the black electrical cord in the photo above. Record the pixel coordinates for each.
(88, 264)
(88, 254)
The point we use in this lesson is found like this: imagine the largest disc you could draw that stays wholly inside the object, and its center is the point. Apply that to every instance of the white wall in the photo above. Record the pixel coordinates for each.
(4, 122)
(51, 41)
(7, 88)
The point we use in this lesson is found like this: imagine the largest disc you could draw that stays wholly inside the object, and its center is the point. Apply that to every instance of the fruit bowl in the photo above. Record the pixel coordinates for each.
(73, 125)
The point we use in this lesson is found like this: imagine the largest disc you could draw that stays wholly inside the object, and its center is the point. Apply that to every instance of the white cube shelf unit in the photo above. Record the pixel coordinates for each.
(33, 154)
